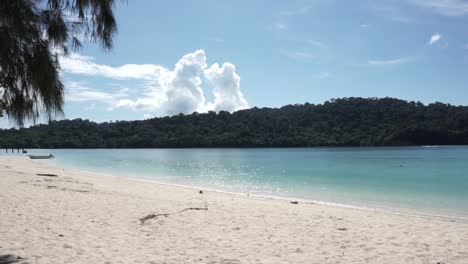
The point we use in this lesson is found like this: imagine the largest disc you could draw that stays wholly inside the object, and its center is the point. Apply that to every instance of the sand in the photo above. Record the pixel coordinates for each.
(80, 217)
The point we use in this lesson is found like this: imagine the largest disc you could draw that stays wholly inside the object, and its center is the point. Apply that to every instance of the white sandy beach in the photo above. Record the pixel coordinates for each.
(80, 217)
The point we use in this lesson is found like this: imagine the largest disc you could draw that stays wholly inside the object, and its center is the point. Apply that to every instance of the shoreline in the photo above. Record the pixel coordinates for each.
(79, 217)
(308, 201)
(397, 211)
(263, 147)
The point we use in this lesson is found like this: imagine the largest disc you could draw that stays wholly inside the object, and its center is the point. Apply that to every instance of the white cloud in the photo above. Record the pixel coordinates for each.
(389, 62)
(444, 7)
(434, 38)
(166, 91)
(78, 64)
(183, 92)
(226, 82)
(80, 92)
(174, 92)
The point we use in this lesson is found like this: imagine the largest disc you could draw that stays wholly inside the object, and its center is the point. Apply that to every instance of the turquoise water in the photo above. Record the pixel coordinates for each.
(430, 180)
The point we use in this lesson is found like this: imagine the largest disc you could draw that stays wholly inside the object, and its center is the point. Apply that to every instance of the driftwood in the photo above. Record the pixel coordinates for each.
(47, 175)
(154, 215)
(151, 216)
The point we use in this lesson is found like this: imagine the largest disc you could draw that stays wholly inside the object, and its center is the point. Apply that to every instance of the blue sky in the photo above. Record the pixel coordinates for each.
(184, 56)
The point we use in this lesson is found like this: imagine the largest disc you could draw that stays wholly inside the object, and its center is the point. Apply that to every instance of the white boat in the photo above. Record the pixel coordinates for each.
(41, 156)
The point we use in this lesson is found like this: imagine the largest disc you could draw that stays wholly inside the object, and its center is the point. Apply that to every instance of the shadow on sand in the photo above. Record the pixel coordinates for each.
(8, 258)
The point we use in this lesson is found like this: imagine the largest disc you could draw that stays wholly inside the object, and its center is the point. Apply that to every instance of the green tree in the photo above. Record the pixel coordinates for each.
(33, 34)
(339, 122)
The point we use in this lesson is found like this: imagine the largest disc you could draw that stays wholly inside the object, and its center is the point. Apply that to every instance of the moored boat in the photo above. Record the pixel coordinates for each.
(41, 156)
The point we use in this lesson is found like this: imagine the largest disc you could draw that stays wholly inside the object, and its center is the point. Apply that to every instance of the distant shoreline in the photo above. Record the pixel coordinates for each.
(311, 147)
(345, 122)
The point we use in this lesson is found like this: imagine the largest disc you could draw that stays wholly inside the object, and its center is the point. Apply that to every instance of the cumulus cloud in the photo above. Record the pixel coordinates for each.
(183, 92)
(166, 91)
(227, 92)
(434, 39)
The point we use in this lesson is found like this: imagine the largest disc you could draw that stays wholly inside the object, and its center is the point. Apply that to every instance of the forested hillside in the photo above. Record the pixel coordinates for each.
(338, 122)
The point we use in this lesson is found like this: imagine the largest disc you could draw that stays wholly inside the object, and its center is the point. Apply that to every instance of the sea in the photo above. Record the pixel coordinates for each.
(424, 180)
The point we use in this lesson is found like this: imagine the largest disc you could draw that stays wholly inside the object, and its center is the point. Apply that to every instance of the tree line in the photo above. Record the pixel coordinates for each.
(338, 122)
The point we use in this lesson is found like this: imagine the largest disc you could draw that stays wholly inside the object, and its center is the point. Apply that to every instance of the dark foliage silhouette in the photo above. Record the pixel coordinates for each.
(33, 34)
(338, 122)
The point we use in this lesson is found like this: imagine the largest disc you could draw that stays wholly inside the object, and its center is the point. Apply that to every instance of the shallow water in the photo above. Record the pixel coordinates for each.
(430, 180)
